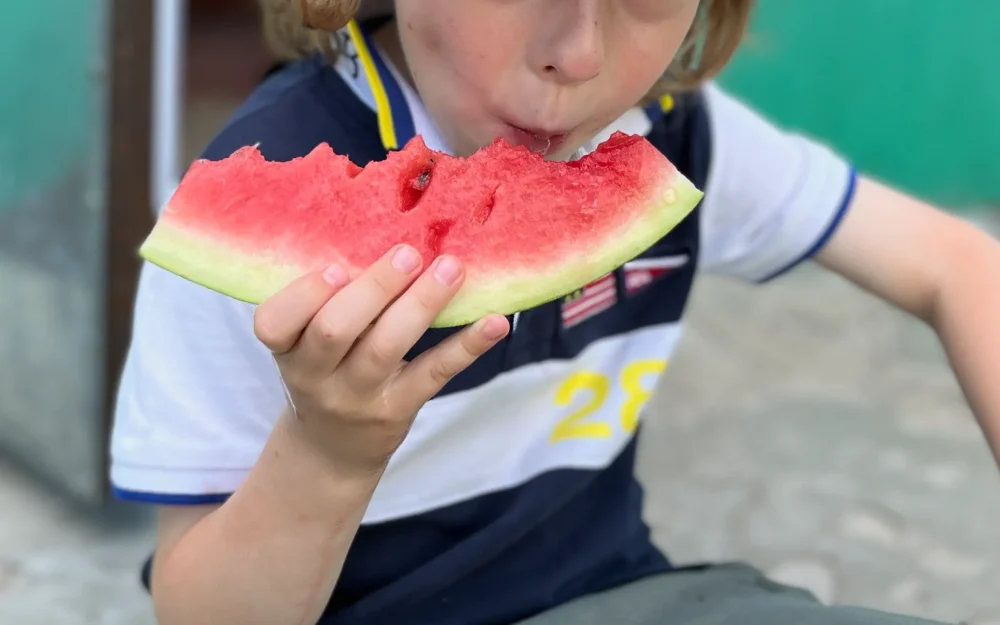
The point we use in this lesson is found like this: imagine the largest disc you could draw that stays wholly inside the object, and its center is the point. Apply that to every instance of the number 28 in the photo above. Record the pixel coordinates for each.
(599, 386)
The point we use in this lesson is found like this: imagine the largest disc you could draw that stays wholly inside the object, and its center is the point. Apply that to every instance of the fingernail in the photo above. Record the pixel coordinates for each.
(492, 329)
(335, 275)
(447, 270)
(405, 259)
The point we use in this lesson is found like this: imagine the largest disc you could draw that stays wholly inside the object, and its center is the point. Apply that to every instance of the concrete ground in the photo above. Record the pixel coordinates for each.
(804, 427)
(819, 434)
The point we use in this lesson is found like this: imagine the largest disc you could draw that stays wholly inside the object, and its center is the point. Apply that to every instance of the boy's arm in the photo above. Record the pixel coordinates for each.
(772, 196)
(197, 419)
(939, 268)
(272, 553)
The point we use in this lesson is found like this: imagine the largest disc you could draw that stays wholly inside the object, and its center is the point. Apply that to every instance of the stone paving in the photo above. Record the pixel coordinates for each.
(819, 434)
(804, 427)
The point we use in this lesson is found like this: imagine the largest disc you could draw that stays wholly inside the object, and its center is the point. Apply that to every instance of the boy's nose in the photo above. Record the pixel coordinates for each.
(570, 43)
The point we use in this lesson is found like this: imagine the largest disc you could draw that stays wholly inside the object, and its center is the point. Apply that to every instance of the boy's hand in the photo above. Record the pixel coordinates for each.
(339, 345)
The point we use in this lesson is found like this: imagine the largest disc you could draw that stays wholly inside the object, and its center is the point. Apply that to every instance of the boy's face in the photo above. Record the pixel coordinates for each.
(547, 74)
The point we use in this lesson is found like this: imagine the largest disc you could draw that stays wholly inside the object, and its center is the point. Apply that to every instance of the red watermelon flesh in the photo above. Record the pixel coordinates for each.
(528, 230)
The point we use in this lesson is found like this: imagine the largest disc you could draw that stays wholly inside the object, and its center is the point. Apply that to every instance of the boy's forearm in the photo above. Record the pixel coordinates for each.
(965, 315)
(941, 269)
(273, 552)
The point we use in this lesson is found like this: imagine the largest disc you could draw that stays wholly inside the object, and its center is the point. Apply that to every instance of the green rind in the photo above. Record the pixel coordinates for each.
(529, 289)
(254, 278)
(250, 279)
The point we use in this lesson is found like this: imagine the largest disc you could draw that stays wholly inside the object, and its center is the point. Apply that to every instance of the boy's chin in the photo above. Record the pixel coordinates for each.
(565, 152)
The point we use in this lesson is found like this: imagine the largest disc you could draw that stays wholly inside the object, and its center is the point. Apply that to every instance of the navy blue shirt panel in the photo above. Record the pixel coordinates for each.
(501, 557)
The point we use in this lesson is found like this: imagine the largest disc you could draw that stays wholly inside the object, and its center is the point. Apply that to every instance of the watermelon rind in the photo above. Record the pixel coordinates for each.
(250, 278)
(515, 292)
(253, 278)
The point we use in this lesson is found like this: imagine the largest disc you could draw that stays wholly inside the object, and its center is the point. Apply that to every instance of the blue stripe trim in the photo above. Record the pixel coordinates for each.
(402, 119)
(845, 204)
(168, 499)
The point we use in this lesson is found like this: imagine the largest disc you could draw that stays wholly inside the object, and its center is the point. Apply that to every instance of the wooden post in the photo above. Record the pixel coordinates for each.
(129, 216)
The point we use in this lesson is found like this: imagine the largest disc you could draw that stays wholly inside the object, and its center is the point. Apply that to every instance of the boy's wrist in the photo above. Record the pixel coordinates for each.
(295, 480)
(299, 456)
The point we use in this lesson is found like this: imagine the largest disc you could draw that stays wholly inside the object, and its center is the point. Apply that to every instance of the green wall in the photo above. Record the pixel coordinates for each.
(46, 102)
(908, 89)
(53, 161)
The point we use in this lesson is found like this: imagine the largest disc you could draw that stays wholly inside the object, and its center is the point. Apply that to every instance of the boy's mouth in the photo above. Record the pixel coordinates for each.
(538, 141)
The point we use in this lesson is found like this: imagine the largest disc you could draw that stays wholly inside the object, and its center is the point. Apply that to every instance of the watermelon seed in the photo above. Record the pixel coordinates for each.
(413, 191)
(420, 183)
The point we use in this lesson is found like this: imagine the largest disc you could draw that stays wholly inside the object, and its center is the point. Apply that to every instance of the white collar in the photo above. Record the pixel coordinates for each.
(350, 66)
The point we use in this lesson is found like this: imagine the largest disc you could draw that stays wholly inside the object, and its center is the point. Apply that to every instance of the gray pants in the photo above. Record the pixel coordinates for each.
(730, 594)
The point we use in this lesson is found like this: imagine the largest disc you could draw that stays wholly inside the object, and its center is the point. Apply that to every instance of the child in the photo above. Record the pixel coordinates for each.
(484, 475)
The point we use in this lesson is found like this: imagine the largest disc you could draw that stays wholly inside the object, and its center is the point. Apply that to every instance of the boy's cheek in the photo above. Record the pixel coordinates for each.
(445, 43)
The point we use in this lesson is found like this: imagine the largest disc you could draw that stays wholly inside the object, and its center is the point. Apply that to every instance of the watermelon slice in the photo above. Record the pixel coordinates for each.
(528, 230)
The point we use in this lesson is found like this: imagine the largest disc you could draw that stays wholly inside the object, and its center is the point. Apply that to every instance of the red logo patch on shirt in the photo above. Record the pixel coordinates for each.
(596, 297)
(602, 294)
(642, 272)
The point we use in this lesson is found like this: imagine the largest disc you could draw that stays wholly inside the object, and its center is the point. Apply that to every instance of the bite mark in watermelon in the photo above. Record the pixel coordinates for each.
(528, 230)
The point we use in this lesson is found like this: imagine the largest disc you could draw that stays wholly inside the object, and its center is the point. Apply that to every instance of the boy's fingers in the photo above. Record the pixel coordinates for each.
(281, 319)
(421, 379)
(346, 315)
(379, 353)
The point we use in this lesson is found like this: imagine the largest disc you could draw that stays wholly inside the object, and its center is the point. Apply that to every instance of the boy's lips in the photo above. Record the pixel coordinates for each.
(540, 141)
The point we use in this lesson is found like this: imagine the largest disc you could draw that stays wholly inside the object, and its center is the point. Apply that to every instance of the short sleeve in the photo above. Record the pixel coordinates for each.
(198, 396)
(772, 198)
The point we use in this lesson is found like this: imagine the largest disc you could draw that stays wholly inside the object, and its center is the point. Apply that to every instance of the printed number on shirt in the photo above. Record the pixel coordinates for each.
(593, 388)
